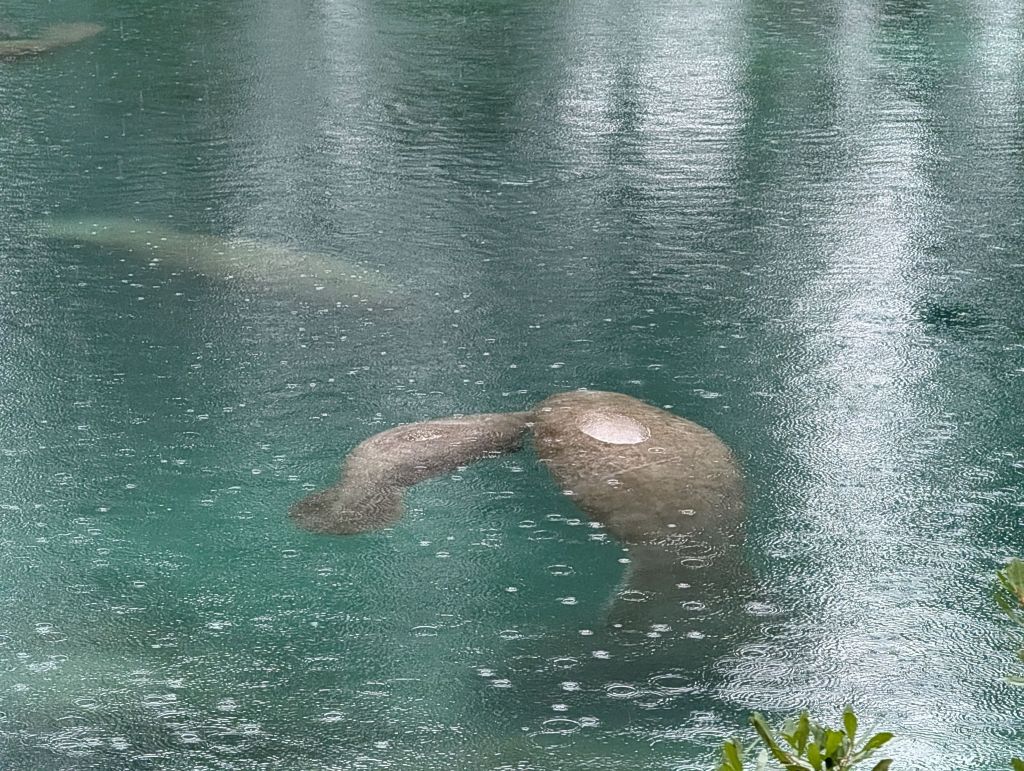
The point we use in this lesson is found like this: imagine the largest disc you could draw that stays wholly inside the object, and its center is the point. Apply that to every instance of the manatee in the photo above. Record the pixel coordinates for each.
(368, 495)
(50, 39)
(256, 265)
(665, 487)
(668, 489)
(643, 473)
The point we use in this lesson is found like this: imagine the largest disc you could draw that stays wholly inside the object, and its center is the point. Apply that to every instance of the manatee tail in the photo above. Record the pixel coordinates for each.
(680, 608)
(688, 579)
(368, 495)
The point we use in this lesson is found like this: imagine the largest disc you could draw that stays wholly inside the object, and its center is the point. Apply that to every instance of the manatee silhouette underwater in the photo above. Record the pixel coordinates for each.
(669, 490)
(252, 266)
(13, 46)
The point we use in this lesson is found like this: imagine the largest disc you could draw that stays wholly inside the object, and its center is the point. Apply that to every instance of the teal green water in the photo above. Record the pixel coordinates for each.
(798, 223)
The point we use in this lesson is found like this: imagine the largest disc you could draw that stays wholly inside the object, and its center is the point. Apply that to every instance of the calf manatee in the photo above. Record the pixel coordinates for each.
(368, 495)
(254, 265)
(668, 489)
(50, 39)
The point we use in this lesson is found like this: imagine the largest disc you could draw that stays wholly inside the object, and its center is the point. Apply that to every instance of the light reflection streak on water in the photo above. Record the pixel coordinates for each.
(873, 478)
(998, 64)
(663, 119)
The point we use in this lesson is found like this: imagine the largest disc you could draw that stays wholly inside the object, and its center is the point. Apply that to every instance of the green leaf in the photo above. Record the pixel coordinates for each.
(765, 732)
(833, 739)
(817, 732)
(1012, 680)
(882, 765)
(1010, 609)
(790, 730)
(788, 733)
(731, 752)
(1012, 577)
(1018, 764)
(802, 732)
(874, 743)
(850, 723)
(1012, 580)
(814, 755)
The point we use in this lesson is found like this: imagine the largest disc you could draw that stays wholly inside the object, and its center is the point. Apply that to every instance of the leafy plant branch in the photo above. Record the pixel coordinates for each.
(805, 745)
(1011, 600)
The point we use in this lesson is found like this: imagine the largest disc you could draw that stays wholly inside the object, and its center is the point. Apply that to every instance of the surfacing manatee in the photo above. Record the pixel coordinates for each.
(643, 473)
(668, 489)
(665, 487)
(368, 496)
(50, 39)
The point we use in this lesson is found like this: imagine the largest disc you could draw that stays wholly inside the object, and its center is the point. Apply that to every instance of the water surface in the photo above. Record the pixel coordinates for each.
(797, 223)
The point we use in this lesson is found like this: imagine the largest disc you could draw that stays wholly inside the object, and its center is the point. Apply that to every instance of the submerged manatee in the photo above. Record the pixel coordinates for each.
(255, 265)
(665, 487)
(668, 489)
(50, 39)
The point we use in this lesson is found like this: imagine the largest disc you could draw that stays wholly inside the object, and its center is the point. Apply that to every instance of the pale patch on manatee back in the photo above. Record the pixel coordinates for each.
(612, 428)
(422, 435)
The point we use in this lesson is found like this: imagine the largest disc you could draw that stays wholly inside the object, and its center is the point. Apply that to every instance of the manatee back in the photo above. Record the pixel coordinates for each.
(641, 471)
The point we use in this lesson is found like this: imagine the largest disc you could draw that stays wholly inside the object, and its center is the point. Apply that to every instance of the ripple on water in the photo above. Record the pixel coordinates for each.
(622, 690)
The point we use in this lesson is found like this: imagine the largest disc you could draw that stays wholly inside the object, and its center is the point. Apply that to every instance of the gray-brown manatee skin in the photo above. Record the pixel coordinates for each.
(368, 495)
(640, 471)
(667, 489)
